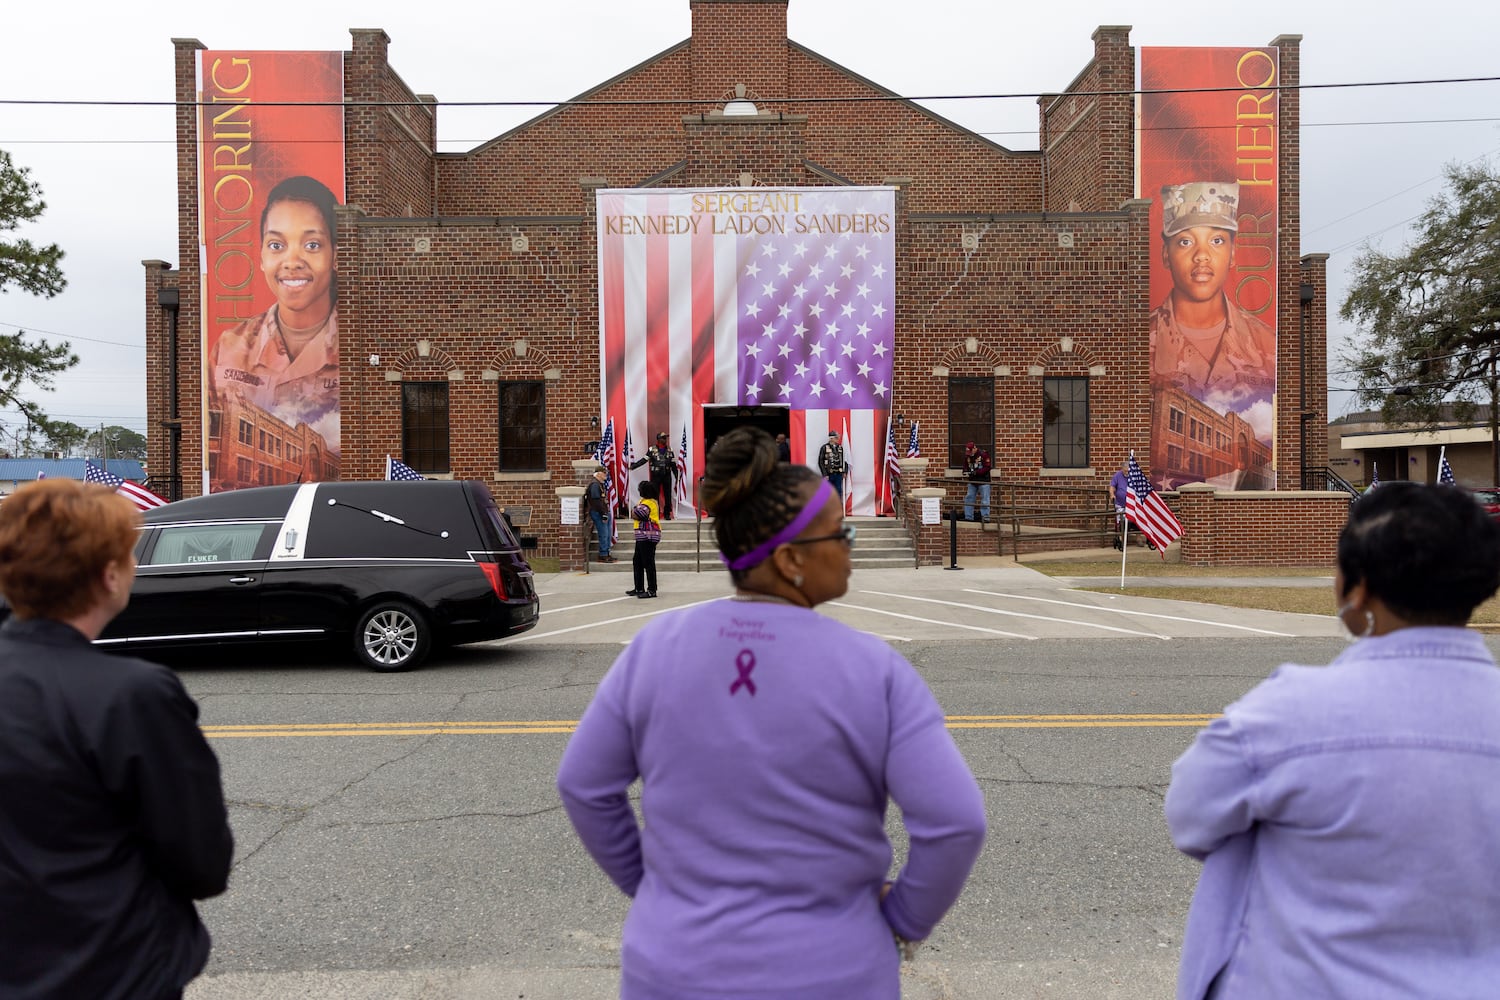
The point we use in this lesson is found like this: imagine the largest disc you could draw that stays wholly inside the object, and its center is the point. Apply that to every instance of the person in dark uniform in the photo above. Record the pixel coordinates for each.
(112, 818)
(663, 471)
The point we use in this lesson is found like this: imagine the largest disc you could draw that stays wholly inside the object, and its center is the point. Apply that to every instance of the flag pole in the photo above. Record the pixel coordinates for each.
(1124, 549)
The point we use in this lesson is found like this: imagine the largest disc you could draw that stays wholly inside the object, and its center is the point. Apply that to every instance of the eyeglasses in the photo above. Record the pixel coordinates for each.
(845, 534)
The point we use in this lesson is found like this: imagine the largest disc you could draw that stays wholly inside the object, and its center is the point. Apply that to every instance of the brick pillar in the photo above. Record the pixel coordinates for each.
(1313, 317)
(914, 471)
(570, 537)
(1195, 509)
(931, 539)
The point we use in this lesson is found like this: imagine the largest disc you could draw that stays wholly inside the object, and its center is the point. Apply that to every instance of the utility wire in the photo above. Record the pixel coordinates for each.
(699, 102)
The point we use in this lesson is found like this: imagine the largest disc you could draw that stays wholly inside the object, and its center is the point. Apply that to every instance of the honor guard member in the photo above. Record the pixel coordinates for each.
(663, 471)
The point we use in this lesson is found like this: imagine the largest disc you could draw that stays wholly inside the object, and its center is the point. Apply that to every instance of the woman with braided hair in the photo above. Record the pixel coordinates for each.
(768, 739)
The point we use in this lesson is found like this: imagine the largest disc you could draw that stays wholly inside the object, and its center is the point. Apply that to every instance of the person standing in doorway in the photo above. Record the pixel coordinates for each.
(647, 534)
(596, 497)
(832, 464)
(663, 471)
(783, 449)
(977, 472)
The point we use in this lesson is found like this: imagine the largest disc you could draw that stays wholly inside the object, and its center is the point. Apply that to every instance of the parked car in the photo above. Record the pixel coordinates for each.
(1489, 498)
(392, 569)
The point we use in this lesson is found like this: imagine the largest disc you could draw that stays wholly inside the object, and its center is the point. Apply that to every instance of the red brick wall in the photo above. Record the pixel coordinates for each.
(1289, 528)
(508, 231)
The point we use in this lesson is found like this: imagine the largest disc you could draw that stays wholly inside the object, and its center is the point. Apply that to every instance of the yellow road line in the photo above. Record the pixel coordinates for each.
(564, 726)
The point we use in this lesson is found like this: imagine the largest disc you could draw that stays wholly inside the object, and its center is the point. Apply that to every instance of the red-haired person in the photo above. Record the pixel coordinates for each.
(112, 817)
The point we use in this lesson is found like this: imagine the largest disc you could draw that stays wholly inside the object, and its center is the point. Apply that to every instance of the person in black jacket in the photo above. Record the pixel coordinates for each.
(112, 817)
(663, 471)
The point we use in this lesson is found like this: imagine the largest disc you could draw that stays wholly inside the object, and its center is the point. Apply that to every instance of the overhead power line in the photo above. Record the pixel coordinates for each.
(699, 102)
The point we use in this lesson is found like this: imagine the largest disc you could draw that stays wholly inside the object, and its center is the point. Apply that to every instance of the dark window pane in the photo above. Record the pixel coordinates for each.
(523, 427)
(424, 426)
(971, 417)
(1065, 423)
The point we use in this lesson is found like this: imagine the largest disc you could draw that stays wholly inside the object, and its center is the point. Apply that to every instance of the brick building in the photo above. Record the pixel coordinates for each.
(468, 282)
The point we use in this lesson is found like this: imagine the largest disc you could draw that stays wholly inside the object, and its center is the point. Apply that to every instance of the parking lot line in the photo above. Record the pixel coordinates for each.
(535, 634)
(929, 621)
(1018, 614)
(1127, 611)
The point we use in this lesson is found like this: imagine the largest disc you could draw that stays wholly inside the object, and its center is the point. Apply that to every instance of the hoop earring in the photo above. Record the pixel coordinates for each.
(1369, 622)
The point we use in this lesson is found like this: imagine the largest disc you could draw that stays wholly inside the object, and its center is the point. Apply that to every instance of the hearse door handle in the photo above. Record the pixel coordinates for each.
(242, 579)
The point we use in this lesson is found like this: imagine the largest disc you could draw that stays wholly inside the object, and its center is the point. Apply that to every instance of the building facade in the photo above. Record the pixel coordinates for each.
(468, 283)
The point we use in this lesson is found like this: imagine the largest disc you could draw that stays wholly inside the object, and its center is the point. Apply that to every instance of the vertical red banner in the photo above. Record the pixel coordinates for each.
(271, 172)
(1209, 162)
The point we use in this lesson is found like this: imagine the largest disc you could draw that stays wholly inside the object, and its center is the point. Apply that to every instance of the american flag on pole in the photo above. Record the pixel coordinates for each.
(1148, 511)
(625, 465)
(398, 471)
(752, 297)
(1445, 471)
(913, 450)
(604, 454)
(143, 498)
(682, 467)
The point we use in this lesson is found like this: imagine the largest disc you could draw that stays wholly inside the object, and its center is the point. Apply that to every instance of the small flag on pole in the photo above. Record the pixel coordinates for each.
(1374, 477)
(913, 450)
(1148, 511)
(1445, 471)
(892, 460)
(399, 471)
(143, 498)
(682, 475)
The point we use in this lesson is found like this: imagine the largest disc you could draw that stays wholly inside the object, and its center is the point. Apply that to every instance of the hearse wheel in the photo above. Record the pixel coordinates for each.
(392, 636)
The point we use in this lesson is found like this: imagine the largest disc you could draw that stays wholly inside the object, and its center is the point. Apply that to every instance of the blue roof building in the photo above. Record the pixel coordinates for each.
(16, 471)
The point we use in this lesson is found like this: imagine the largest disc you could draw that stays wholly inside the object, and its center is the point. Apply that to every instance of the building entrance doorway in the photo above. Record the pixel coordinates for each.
(720, 420)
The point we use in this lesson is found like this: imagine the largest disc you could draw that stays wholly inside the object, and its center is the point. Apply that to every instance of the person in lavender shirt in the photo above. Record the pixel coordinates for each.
(768, 739)
(1346, 815)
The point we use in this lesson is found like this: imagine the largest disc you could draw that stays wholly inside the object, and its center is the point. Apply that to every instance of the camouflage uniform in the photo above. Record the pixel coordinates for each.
(251, 361)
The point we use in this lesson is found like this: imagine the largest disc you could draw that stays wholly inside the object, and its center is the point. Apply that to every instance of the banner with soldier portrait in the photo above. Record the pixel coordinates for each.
(271, 173)
(1209, 161)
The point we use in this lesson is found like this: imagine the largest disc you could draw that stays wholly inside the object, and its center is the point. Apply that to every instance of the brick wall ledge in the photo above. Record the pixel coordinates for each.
(522, 477)
(456, 221)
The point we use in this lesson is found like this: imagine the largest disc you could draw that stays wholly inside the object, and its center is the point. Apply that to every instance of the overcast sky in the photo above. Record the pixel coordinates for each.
(1371, 156)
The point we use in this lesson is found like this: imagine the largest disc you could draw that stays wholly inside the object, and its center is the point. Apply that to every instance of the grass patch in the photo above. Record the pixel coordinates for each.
(545, 564)
(1148, 564)
(1297, 600)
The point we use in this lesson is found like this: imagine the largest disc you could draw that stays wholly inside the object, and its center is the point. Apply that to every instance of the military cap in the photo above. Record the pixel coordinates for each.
(1199, 203)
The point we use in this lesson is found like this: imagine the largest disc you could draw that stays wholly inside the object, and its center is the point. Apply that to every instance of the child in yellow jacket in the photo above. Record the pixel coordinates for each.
(647, 515)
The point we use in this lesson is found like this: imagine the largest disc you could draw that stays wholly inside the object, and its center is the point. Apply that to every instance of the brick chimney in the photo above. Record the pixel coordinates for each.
(739, 41)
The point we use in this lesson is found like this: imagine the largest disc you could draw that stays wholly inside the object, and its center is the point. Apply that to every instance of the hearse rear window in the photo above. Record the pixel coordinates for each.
(206, 544)
(391, 527)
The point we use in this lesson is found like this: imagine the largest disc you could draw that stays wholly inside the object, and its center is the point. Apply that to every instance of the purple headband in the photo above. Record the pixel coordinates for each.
(762, 552)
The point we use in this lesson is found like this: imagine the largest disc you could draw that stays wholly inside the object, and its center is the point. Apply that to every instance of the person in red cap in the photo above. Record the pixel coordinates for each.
(977, 472)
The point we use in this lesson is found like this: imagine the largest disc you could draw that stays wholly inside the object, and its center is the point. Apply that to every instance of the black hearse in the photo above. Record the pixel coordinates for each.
(390, 568)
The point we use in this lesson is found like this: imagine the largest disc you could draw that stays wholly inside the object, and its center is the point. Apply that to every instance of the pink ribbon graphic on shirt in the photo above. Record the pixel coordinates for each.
(744, 663)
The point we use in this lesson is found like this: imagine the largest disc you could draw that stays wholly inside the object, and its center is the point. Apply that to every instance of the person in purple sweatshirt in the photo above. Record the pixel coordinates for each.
(768, 739)
(1346, 815)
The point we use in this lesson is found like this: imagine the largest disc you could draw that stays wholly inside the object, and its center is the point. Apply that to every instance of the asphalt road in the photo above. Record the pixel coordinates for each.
(399, 836)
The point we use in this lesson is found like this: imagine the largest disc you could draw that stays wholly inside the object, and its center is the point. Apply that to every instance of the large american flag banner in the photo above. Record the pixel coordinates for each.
(752, 297)
(1148, 511)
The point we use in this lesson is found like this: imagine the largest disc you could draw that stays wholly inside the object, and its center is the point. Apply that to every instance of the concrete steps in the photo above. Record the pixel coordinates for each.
(687, 546)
